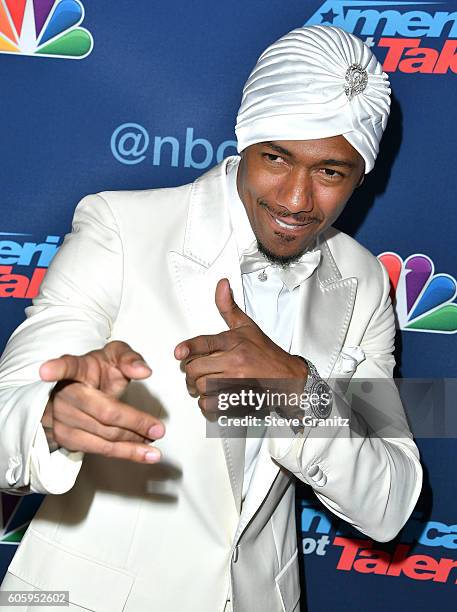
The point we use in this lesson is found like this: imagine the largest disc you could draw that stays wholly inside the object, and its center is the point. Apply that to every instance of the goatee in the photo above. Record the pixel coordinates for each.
(279, 260)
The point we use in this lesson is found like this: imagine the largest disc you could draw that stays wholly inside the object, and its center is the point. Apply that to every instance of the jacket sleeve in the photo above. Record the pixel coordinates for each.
(368, 474)
(74, 312)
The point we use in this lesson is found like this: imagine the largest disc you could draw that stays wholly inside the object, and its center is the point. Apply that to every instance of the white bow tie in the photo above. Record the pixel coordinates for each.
(292, 275)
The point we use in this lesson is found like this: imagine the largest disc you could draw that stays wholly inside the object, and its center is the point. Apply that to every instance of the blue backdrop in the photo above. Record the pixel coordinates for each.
(131, 96)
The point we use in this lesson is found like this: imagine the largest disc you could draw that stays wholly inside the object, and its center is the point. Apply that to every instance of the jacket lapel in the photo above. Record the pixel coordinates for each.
(209, 254)
(325, 308)
(326, 302)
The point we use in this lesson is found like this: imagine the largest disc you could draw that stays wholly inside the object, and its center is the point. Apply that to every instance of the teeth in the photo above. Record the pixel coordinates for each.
(286, 225)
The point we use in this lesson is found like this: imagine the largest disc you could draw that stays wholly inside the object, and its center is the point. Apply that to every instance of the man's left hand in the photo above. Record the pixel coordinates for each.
(243, 351)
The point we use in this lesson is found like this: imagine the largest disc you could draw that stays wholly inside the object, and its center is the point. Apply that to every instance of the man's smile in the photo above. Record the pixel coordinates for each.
(291, 226)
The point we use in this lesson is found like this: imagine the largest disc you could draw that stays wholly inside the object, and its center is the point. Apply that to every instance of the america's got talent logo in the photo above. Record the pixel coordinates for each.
(409, 37)
(44, 28)
(423, 300)
(423, 550)
(23, 263)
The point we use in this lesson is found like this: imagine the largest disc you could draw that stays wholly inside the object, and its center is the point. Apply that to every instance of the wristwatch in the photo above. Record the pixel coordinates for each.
(318, 391)
(318, 396)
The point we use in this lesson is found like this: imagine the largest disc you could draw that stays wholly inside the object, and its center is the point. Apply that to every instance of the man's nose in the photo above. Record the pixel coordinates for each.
(296, 192)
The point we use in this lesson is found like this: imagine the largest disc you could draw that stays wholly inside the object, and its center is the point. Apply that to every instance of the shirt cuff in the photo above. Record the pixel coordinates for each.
(55, 472)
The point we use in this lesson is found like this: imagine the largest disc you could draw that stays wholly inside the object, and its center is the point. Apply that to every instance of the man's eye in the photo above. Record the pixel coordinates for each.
(332, 173)
(272, 157)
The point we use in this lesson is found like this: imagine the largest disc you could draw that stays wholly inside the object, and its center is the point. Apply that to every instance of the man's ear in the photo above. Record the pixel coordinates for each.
(362, 178)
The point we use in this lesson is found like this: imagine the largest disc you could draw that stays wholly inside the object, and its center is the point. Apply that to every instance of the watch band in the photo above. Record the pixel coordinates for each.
(319, 392)
(319, 398)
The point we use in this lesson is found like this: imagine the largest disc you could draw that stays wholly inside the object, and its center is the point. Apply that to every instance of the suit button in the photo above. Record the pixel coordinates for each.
(235, 554)
(322, 481)
(315, 469)
(317, 476)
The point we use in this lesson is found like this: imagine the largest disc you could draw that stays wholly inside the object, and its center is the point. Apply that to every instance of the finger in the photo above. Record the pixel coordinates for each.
(209, 385)
(77, 419)
(204, 345)
(112, 412)
(202, 366)
(228, 308)
(77, 440)
(208, 404)
(198, 385)
(130, 362)
(65, 367)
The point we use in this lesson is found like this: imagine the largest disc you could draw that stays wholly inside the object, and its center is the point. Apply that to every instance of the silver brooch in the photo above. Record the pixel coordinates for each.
(356, 79)
(262, 276)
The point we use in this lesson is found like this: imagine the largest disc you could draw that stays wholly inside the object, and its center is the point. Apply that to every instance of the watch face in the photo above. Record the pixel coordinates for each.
(323, 407)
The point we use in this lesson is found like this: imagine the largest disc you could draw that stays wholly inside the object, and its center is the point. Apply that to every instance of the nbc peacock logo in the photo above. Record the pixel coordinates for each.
(16, 512)
(423, 300)
(44, 28)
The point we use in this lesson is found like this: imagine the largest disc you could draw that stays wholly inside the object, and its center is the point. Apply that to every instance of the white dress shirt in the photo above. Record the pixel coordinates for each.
(268, 301)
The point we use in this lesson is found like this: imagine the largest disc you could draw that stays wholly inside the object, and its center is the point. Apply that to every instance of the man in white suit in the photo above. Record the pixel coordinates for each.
(188, 521)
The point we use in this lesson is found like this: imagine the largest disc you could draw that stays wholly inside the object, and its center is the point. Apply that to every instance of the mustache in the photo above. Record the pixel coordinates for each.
(297, 217)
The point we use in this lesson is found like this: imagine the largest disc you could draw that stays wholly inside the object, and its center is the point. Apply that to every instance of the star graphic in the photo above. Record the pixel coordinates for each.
(329, 16)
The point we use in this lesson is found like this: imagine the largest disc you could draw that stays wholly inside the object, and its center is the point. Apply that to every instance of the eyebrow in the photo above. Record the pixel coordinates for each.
(278, 148)
(327, 162)
(338, 162)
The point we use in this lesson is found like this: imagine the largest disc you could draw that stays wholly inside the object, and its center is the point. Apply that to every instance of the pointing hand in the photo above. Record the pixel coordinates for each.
(243, 351)
(84, 412)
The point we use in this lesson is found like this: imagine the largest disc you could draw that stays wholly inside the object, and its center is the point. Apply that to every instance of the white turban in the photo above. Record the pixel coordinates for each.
(315, 82)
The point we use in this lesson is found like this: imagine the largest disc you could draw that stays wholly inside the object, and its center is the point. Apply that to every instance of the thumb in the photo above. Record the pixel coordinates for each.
(228, 308)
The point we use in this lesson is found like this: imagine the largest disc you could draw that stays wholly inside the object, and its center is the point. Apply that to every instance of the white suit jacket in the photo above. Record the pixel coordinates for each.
(142, 267)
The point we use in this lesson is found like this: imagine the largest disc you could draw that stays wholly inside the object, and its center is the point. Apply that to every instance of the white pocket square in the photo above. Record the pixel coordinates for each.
(349, 359)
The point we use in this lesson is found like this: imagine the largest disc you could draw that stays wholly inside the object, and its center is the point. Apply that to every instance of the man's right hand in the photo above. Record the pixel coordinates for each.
(84, 412)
